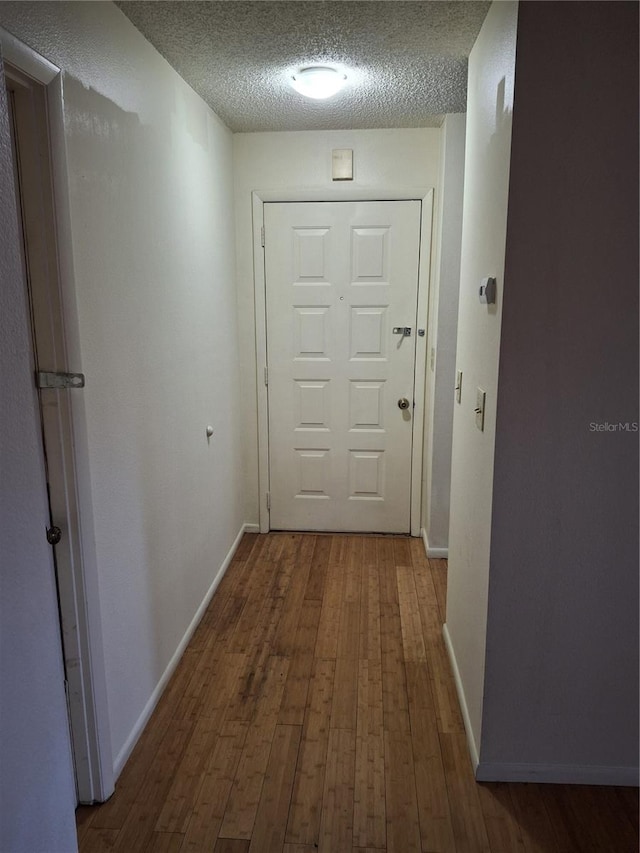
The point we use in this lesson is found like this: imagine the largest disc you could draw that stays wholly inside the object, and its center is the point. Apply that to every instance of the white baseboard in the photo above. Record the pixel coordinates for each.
(143, 719)
(434, 553)
(561, 774)
(471, 741)
(251, 528)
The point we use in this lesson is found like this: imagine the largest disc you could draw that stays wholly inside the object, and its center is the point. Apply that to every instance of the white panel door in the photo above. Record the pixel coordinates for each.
(341, 278)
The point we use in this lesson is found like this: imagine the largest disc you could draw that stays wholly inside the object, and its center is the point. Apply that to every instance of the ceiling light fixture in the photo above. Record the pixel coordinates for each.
(318, 81)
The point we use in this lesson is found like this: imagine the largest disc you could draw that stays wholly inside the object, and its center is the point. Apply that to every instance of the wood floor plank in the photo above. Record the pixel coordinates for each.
(369, 643)
(434, 810)
(286, 563)
(439, 576)
(189, 705)
(318, 568)
(533, 820)
(592, 808)
(164, 842)
(369, 808)
(207, 814)
(98, 840)
(410, 622)
(273, 808)
(629, 799)
(570, 835)
(336, 822)
(498, 811)
(394, 686)
(403, 823)
(114, 813)
(294, 699)
(444, 691)
(257, 588)
(239, 816)
(245, 547)
(139, 825)
(402, 552)
(284, 641)
(368, 850)
(180, 799)
(466, 816)
(231, 845)
(344, 706)
(328, 629)
(226, 683)
(303, 826)
(353, 569)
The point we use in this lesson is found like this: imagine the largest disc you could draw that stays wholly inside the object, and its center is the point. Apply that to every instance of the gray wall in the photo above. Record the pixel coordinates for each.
(561, 685)
(37, 796)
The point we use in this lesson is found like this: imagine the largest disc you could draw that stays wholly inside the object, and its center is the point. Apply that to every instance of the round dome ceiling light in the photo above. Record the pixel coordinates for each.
(318, 81)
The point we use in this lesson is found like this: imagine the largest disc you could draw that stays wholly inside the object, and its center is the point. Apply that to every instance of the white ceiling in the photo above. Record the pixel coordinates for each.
(406, 61)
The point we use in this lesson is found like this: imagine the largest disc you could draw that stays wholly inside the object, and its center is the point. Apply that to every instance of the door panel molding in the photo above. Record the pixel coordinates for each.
(259, 198)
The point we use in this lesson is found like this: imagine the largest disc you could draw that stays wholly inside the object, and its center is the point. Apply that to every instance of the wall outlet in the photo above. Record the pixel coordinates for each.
(458, 388)
(479, 409)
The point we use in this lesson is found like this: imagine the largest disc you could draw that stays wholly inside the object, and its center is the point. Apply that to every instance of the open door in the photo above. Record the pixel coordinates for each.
(33, 179)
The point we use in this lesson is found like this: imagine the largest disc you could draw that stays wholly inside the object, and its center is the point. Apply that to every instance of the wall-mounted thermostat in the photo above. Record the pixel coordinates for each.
(488, 291)
(342, 164)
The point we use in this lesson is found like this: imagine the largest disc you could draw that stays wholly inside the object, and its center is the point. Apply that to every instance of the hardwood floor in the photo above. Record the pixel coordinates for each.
(314, 709)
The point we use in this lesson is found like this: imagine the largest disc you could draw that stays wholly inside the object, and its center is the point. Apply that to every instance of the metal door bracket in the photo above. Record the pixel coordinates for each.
(49, 379)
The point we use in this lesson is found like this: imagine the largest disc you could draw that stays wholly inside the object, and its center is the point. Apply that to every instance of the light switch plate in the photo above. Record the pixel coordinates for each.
(479, 409)
(458, 386)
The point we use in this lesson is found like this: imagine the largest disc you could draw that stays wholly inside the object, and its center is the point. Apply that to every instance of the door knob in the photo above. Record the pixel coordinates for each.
(54, 535)
(403, 403)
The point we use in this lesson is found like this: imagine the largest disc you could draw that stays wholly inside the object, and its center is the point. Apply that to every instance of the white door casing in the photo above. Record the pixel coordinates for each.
(341, 279)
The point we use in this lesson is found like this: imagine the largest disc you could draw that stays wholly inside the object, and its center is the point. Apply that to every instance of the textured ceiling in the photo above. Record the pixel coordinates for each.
(406, 61)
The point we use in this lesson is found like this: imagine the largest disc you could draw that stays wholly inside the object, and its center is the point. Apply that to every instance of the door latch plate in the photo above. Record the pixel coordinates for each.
(57, 381)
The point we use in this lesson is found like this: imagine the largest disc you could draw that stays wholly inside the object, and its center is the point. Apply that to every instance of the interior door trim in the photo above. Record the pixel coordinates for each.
(259, 198)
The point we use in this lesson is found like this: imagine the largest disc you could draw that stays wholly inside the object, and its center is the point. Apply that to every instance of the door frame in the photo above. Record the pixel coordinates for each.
(259, 198)
(79, 596)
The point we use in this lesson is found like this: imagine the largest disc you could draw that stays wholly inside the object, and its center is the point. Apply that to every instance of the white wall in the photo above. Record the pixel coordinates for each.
(37, 796)
(150, 203)
(302, 160)
(443, 322)
(489, 114)
(561, 680)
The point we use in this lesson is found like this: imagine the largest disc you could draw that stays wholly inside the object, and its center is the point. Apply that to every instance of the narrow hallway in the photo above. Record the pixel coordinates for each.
(314, 709)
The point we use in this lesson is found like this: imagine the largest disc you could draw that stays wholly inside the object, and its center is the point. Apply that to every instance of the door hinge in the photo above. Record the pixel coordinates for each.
(268, 500)
(266, 376)
(51, 379)
(262, 236)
